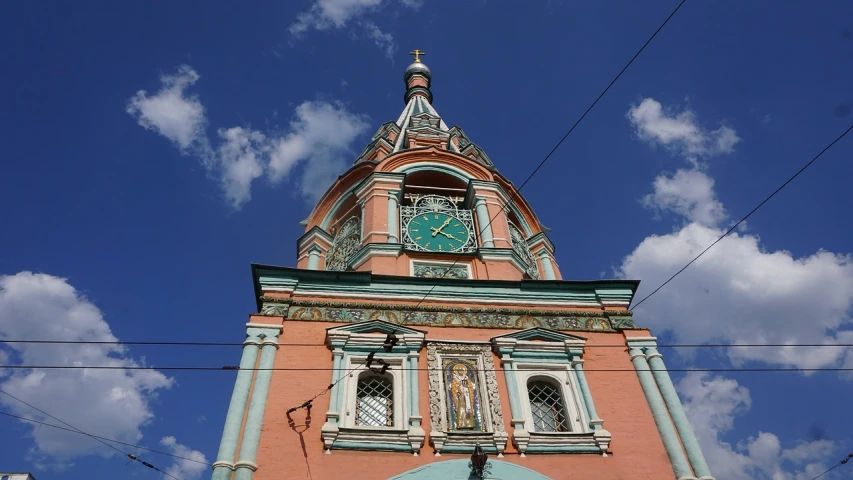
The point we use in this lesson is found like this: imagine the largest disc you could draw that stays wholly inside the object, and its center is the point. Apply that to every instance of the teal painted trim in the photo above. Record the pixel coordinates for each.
(236, 408)
(369, 249)
(469, 449)
(458, 469)
(560, 357)
(383, 447)
(255, 417)
(337, 373)
(485, 231)
(512, 389)
(555, 361)
(547, 266)
(395, 351)
(563, 449)
(586, 395)
(411, 392)
(414, 406)
(387, 287)
(682, 424)
(660, 415)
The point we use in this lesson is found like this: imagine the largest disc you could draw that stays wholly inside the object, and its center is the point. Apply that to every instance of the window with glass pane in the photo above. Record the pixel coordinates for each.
(374, 402)
(546, 404)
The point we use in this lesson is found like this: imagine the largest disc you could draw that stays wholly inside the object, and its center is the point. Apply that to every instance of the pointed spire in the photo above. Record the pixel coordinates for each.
(417, 78)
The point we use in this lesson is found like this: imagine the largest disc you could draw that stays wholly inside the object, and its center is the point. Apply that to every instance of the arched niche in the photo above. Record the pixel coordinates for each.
(459, 470)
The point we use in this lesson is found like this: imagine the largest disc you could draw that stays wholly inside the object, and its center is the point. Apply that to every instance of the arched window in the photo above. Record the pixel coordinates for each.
(374, 403)
(546, 405)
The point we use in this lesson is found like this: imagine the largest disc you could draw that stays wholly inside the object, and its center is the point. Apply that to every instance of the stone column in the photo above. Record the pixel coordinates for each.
(661, 416)
(602, 436)
(224, 465)
(416, 432)
(679, 418)
(484, 223)
(520, 436)
(547, 266)
(393, 217)
(246, 466)
(313, 257)
(330, 429)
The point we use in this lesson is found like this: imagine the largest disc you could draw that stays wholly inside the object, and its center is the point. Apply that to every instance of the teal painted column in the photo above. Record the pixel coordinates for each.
(246, 466)
(223, 466)
(414, 406)
(547, 266)
(392, 217)
(313, 257)
(679, 418)
(660, 415)
(484, 223)
(337, 373)
(594, 421)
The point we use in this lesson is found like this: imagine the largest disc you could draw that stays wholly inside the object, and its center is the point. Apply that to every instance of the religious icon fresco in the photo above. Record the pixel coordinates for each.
(463, 395)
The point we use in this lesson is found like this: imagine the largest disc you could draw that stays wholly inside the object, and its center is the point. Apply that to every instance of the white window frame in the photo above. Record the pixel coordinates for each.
(560, 377)
(398, 384)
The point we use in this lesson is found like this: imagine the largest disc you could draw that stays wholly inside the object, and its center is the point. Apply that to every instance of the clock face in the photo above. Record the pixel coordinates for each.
(438, 232)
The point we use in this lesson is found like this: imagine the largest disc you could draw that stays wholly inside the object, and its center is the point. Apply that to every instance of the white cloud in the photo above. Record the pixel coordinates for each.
(320, 134)
(712, 403)
(241, 159)
(689, 193)
(680, 132)
(109, 403)
(171, 113)
(185, 468)
(385, 41)
(740, 293)
(325, 14)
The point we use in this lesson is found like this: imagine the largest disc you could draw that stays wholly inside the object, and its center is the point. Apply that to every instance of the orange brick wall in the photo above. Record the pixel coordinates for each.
(636, 451)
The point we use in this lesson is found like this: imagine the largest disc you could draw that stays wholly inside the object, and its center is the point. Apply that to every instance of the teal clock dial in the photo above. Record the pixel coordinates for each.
(438, 232)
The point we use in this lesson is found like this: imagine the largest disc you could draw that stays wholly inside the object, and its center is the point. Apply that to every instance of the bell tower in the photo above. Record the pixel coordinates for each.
(423, 200)
(427, 333)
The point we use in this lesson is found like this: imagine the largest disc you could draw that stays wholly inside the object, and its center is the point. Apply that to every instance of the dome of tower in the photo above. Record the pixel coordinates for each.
(417, 67)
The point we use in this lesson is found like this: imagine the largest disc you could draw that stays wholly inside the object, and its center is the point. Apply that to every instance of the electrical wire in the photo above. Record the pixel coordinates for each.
(235, 344)
(326, 369)
(730, 230)
(843, 461)
(105, 438)
(128, 455)
(515, 193)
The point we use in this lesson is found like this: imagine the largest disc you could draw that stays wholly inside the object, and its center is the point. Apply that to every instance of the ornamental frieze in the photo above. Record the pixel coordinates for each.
(447, 316)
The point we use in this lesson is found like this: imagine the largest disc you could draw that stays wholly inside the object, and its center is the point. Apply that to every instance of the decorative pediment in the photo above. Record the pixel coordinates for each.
(380, 327)
(539, 334)
(372, 335)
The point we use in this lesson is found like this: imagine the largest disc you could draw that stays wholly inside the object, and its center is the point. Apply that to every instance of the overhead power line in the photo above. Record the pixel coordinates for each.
(843, 461)
(239, 344)
(739, 222)
(93, 437)
(25, 419)
(515, 193)
(327, 369)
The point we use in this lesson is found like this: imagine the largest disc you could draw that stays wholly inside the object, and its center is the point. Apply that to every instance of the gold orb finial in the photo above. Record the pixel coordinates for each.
(417, 53)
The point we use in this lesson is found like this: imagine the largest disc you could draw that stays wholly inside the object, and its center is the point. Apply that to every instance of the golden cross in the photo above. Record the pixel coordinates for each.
(417, 53)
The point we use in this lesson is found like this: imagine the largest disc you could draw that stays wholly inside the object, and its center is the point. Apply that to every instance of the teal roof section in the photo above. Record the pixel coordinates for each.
(365, 285)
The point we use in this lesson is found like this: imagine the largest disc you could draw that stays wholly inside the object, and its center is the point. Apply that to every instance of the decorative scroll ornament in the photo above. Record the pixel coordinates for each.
(437, 206)
(519, 246)
(347, 242)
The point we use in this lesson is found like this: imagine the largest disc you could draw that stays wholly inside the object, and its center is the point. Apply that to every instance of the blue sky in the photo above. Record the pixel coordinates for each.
(151, 152)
